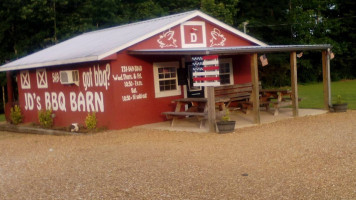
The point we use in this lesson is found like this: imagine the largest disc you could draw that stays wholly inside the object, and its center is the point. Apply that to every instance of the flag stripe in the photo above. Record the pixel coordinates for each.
(211, 68)
(211, 57)
(210, 62)
(206, 79)
(207, 84)
(208, 73)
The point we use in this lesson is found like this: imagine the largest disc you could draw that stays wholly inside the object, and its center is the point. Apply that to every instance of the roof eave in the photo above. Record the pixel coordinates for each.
(46, 64)
(232, 50)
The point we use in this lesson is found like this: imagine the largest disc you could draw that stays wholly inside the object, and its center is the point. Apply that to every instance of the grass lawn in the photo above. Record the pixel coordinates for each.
(312, 94)
(2, 117)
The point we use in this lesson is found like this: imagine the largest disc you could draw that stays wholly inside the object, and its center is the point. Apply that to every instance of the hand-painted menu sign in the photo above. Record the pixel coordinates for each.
(206, 70)
(131, 77)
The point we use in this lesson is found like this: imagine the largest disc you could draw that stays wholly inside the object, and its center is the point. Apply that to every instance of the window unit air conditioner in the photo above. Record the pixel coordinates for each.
(69, 77)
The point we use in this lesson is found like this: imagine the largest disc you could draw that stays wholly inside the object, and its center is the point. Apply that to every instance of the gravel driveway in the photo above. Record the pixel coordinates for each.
(302, 158)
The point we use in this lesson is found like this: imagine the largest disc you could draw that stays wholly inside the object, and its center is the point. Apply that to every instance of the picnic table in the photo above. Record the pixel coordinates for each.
(198, 108)
(277, 97)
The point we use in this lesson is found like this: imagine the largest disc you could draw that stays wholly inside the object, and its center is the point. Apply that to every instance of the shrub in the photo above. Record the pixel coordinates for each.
(15, 115)
(45, 118)
(90, 121)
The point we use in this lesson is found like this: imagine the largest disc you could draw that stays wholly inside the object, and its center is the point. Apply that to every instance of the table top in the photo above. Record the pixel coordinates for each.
(191, 100)
(217, 100)
(276, 90)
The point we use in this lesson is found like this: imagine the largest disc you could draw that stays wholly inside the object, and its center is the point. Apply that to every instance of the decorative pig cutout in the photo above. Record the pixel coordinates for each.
(167, 40)
(217, 39)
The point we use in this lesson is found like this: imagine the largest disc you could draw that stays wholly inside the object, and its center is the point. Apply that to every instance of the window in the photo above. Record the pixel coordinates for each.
(166, 79)
(226, 73)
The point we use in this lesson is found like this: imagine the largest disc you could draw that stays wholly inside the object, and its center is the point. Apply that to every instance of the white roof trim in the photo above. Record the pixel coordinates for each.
(53, 63)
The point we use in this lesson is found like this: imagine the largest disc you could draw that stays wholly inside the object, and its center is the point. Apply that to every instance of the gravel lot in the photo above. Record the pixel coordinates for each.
(302, 158)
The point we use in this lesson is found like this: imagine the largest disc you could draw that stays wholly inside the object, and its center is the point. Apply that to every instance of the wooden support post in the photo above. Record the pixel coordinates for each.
(10, 92)
(326, 79)
(255, 89)
(3, 97)
(211, 109)
(294, 80)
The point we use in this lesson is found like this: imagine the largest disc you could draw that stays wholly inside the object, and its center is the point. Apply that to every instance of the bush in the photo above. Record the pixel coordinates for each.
(45, 118)
(15, 115)
(90, 121)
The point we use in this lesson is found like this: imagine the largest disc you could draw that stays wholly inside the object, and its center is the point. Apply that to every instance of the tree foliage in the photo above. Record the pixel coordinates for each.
(29, 25)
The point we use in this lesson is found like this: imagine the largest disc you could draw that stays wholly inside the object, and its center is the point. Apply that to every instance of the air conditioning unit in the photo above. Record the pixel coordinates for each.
(69, 77)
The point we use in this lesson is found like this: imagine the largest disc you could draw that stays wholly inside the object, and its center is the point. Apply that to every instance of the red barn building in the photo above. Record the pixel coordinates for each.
(108, 72)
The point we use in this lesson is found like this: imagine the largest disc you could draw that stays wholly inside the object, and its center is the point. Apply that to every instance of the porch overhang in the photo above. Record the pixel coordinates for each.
(231, 50)
(253, 51)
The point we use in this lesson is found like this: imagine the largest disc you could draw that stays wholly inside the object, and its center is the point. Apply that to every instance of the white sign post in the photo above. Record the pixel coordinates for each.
(206, 73)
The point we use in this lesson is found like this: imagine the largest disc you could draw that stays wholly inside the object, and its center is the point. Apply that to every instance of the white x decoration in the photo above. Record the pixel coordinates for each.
(41, 76)
(25, 80)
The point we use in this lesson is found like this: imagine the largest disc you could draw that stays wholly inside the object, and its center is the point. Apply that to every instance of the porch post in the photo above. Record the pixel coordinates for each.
(211, 108)
(294, 81)
(255, 89)
(10, 95)
(326, 79)
(10, 92)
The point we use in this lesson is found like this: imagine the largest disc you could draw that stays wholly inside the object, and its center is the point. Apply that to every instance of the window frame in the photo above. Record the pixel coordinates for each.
(229, 61)
(158, 93)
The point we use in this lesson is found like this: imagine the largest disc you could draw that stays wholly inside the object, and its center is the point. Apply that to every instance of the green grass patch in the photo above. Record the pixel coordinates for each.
(313, 97)
(2, 117)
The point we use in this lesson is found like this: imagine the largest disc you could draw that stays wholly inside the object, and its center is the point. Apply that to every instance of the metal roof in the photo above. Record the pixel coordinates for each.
(96, 45)
(231, 50)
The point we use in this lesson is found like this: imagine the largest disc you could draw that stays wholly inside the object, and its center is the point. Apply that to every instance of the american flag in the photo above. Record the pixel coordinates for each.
(263, 60)
(332, 55)
(206, 70)
(299, 55)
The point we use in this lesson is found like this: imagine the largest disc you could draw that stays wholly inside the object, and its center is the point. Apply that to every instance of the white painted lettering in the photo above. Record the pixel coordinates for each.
(38, 100)
(54, 101)
(62, 102)
(193, 37)
(89, 101)
(99, 102)
(101, 77)
(81, 101)
(47, 101)
(87, 79)
(73, 103)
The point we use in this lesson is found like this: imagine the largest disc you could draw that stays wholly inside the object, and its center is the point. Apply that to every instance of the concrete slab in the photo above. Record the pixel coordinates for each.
(242, 120)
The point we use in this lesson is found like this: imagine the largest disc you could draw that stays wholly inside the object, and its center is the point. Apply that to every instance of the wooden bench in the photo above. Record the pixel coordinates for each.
(198, 109)
(239, 94)
(201, 116)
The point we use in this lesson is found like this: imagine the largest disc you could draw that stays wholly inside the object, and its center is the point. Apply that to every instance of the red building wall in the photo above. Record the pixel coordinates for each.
(121, 89)
(130, 112)
(41, 89)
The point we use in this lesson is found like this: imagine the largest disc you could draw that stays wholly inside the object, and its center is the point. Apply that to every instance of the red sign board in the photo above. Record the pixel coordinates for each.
(193, 34)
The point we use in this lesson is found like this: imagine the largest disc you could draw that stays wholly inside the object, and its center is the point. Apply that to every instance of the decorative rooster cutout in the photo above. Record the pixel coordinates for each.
(167, 40)
(217, 39)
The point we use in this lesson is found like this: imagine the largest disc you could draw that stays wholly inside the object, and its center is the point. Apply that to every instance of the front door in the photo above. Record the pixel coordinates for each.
(193, 91)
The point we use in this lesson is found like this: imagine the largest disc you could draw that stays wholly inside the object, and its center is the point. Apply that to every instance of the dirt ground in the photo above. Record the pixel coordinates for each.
(302, 158)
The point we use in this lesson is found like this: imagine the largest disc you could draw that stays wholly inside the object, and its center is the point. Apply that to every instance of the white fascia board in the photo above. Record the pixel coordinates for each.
(52, 63)
(140, 39)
